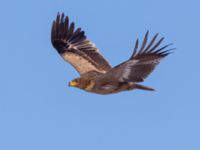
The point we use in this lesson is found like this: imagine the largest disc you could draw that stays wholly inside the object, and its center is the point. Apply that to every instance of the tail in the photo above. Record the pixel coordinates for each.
(142, 87)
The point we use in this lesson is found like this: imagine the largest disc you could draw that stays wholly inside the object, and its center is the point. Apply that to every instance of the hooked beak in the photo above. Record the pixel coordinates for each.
(72, 83)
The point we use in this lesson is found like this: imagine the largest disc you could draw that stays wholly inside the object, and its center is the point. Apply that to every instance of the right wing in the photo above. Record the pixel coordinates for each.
(75, 48)
(141, 63)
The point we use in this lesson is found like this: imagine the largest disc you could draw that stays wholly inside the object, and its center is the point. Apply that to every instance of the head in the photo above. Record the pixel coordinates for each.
(79, 83)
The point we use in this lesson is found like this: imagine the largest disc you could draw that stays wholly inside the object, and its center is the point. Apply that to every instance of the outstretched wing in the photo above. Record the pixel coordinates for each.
(141, 63)
(75, 48)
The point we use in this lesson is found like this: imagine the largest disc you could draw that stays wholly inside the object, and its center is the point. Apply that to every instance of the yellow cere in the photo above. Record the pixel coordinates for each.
(72, 83)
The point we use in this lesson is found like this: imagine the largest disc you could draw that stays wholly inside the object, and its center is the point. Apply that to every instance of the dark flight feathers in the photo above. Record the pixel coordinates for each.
(141, 63)
(73, 43)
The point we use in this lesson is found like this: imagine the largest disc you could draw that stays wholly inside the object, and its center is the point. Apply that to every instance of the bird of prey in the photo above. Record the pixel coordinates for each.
(96, 74)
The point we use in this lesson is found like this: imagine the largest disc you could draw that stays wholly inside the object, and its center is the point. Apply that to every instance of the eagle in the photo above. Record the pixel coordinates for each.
(96, 74)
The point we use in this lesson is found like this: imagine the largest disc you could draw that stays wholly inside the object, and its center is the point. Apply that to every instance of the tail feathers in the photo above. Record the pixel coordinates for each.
(142, 87)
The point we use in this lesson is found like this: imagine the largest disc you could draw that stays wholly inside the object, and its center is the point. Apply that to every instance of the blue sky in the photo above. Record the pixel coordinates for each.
(38, 111)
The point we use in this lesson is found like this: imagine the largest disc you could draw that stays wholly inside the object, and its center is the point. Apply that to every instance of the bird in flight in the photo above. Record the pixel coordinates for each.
(96, 74)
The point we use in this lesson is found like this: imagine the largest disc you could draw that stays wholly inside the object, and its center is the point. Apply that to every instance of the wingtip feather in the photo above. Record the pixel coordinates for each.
(149, 50)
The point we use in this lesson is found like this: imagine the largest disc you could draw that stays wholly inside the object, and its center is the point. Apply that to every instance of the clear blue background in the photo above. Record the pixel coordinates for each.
(38, 111)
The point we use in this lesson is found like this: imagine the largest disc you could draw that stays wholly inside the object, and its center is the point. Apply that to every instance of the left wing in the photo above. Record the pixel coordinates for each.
(141, 63)
(75, 48)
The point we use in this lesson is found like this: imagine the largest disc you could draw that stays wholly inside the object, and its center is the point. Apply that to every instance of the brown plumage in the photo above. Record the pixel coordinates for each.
(96, 74)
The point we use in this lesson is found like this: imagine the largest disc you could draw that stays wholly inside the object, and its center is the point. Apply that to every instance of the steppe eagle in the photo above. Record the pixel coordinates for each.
(96, 74)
